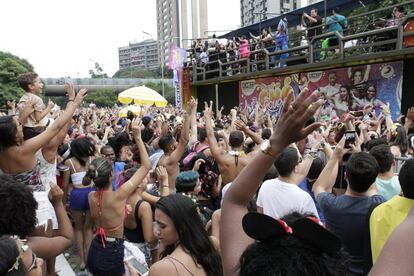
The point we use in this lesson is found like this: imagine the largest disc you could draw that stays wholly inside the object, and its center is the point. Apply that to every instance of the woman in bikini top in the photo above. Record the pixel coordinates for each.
(108, 208)
(188, 249)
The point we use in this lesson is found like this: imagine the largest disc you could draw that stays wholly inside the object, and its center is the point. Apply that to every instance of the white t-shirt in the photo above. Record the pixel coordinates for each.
(279, 199)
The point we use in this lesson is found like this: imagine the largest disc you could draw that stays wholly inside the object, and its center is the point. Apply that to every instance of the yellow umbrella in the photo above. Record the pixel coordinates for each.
(142, 95)
(134, 108)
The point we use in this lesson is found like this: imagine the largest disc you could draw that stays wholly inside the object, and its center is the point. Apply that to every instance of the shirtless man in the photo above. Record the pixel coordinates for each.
(173, 151)
(234, 161)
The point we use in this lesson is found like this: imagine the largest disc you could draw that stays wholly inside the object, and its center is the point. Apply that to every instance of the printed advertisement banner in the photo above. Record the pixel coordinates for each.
(353, 88)
(177, 89)
(344, 89)
(267, 93)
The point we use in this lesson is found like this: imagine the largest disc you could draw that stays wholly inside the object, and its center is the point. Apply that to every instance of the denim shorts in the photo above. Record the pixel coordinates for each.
(106, 261)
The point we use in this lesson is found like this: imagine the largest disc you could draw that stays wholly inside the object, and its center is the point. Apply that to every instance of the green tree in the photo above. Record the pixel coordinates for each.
(168, 74)
(364, 23)
(126, 73)
(143, 73)
(102, 97)
(169, 93)
(11, 67)
(97, 72)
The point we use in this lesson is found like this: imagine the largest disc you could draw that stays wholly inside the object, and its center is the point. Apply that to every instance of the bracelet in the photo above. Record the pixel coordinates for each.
(71, 100)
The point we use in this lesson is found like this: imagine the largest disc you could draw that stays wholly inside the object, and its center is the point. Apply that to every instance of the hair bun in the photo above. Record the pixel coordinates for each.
(92, 173)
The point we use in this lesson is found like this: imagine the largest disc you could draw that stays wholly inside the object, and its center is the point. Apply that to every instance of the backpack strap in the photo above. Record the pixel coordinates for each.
(203, 148)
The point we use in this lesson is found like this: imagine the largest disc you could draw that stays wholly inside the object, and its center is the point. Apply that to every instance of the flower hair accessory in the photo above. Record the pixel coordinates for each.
(308, 229)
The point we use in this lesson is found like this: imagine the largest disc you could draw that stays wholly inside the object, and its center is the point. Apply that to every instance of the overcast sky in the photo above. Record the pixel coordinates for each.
(65, 38)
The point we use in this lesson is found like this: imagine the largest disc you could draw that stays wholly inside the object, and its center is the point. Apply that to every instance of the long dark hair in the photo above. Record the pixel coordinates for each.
(8, 130)
(82, 148)
(193, 237)
(399, 138)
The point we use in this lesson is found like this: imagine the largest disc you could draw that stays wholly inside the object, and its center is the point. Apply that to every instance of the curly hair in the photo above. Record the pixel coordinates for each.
(18, 208)
(289, 255)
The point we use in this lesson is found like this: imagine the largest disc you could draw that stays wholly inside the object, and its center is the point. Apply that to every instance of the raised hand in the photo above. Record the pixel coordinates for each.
(27, 108)
(290, 126)
(240, 125)
(208, 113)
(363, 126)
(70, 92)
(55, 193)
(410, 114)
(386, 109)
(79, 97)
(50, 104)
(162, 174)
(191, 106)
(136, 126)
(340, 149)
(197, 164)
(318, 138)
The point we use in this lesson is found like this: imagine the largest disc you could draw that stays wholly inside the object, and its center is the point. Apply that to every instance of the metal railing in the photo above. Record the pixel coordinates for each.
(385, 39)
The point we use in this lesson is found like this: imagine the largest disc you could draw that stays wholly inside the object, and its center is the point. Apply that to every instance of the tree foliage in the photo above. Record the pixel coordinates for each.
(366, 23)
(97, 72)
(169, 93)
(143, 73)
(102, 97)
(11, 67)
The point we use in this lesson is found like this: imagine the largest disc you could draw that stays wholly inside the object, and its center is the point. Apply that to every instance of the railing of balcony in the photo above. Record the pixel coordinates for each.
(366, 40)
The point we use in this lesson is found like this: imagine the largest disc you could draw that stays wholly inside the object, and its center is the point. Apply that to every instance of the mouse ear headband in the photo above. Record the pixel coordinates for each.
(309, 229)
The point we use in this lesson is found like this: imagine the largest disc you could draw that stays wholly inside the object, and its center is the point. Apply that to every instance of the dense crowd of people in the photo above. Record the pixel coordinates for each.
(233, 52)
(181, 192)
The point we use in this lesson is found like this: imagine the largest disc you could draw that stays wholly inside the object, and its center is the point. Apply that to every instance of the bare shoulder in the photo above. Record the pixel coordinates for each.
(162, 267)
(215, 242)
(145, 207)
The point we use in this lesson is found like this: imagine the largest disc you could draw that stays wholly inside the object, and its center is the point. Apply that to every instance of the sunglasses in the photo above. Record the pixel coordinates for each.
(33, 265)
(24, 248)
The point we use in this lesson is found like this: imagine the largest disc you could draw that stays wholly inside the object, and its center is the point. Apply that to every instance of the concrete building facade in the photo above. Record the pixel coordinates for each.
(144, 55)
(254, 11)
(178, 22)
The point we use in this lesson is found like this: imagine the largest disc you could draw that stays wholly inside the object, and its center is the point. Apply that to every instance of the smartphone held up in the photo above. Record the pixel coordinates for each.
(350, 136)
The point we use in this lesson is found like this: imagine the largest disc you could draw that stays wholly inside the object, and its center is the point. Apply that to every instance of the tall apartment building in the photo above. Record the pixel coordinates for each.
(254, 11)
(144, 55)
(179, 21)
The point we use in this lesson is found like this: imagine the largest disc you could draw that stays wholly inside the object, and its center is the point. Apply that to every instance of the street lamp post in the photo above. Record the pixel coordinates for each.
(162, 68)
(161, 45)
